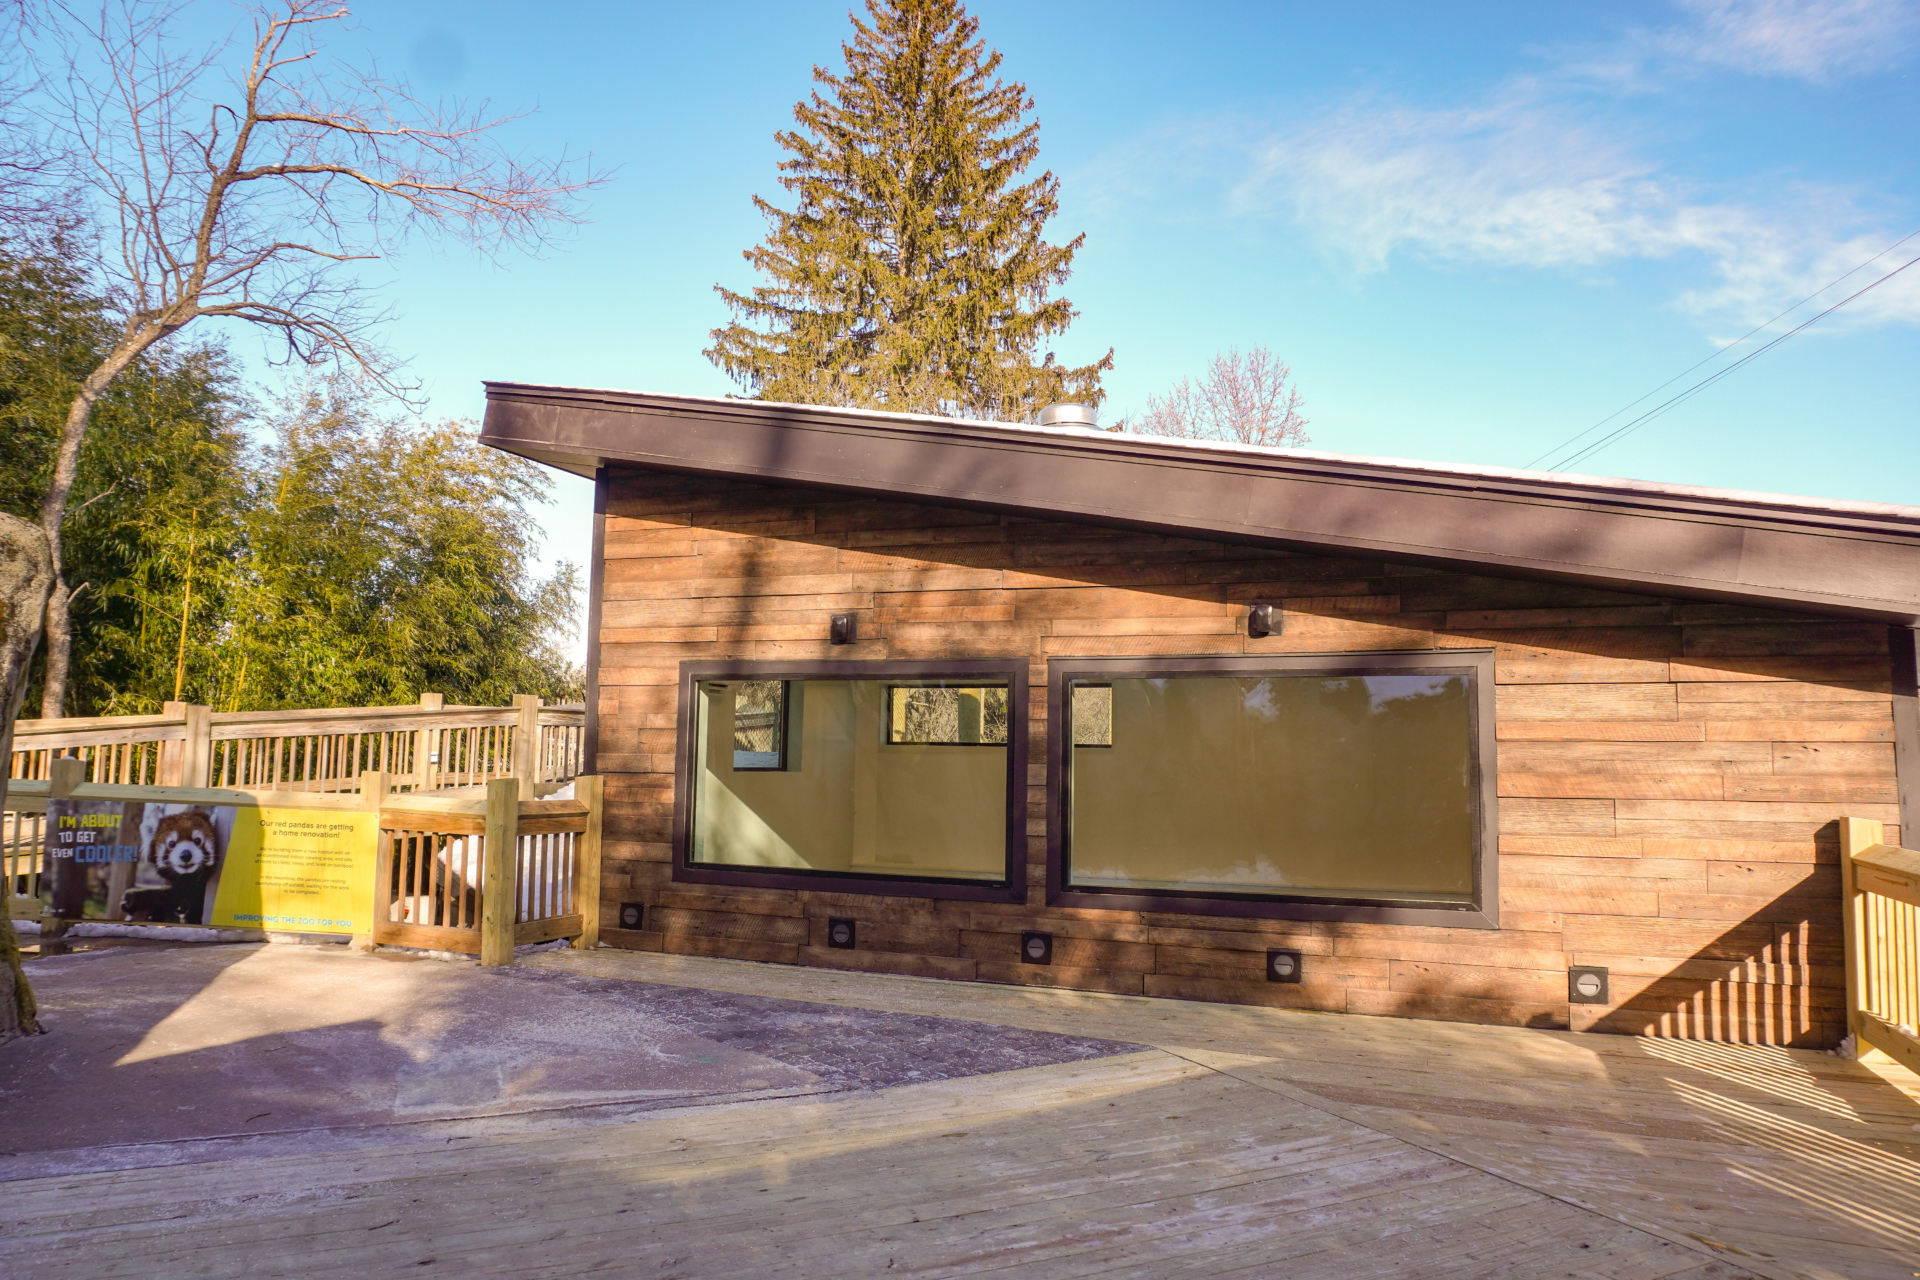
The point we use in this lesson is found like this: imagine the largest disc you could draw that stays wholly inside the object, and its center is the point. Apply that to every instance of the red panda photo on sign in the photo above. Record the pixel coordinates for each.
(181, 851)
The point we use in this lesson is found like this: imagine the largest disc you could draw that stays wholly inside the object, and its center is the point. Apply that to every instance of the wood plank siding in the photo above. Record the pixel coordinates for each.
(1669, 774)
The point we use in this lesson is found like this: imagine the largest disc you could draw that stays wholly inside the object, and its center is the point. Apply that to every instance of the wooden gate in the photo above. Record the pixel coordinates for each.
(482, 876)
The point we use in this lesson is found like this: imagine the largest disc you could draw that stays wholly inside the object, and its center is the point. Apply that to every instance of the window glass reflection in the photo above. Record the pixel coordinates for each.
(852, 777)
(1358, 787)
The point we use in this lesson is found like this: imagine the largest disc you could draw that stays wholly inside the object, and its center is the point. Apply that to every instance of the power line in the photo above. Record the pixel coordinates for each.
(1630, 427)
(1717, 354)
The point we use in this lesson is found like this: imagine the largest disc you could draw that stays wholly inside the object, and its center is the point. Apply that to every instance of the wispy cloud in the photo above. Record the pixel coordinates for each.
(1814, 40)
(1507, 182)
(1540, 175)
(1522, 183)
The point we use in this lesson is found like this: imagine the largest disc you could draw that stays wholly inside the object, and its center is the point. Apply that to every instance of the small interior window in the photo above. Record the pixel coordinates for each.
(946, 715)
(760, 724)
(1092, 715)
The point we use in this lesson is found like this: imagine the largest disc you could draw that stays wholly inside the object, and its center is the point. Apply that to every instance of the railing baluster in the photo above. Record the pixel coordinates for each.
(469, 882)
(422, 896)
(422, 861)
(550, 875)
(536, 904)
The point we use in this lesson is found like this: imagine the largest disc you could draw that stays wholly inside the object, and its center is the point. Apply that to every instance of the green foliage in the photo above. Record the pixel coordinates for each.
(912, 274)
(163, 458)
(386, 562)
(315, 555)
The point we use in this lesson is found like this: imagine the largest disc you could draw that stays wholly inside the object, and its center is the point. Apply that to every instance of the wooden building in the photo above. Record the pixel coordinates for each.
(1055, 706)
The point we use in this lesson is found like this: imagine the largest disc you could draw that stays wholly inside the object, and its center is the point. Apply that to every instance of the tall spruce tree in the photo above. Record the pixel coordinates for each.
(913, 274)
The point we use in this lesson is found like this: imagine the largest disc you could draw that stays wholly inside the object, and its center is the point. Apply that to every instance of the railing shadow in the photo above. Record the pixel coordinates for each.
(1776, 978)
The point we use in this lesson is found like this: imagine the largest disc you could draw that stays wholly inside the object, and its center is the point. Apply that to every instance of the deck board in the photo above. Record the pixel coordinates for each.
(1242, 1142)
(1802, 1155)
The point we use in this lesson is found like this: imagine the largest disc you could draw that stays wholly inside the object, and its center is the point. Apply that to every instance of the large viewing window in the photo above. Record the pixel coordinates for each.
(861, 772)
(1347, 784)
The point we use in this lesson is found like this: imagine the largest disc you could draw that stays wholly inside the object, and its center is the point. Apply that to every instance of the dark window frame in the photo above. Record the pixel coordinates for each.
(1010, 672)
(1477, 664)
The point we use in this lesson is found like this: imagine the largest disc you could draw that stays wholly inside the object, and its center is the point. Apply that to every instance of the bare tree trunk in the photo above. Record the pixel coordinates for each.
(53, 513)
(26, 576)
(59, 636)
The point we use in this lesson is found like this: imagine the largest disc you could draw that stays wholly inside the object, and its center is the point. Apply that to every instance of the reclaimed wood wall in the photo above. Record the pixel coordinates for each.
(1670, 772)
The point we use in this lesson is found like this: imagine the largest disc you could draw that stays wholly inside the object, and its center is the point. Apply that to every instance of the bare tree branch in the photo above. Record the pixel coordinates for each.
(1244, 398)
(241, 199)
(30, 161)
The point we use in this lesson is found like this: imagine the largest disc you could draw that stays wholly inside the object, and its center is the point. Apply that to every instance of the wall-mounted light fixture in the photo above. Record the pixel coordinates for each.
(1587, 985)
(1283, 965)
(632, 915)
(841, 934)
(843, 628)
(1265, 620)
(1036, 948)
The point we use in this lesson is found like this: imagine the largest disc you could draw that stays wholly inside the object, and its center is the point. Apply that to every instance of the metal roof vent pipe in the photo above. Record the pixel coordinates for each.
(1065, 413)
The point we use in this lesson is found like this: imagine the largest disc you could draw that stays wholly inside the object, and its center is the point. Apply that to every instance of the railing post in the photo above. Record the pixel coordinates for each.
(500, 869)
(64, 773)
(526, 742)
(170, 770)
(68, 899)
(422, 762)
(586, 890)
(374, 786)
(1855, 834)
(196, 755)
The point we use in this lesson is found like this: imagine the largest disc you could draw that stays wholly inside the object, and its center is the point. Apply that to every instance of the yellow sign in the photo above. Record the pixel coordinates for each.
(301, 870)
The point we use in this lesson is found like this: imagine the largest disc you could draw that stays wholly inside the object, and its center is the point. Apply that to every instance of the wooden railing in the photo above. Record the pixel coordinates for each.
(429, 747)
(1880, 897)
(485, 875)
(475, 874)
(23, 843)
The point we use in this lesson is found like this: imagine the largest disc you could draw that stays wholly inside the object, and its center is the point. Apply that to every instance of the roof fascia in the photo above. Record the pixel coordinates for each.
(1860, 564)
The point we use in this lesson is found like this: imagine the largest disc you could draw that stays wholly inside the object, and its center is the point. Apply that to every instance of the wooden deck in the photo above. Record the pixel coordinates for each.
(1241, 1142)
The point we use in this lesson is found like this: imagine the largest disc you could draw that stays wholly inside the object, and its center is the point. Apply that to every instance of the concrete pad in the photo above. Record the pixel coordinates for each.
(171, 1055)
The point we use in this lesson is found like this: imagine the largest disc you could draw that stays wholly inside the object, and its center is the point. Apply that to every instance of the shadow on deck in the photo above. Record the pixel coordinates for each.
(674, 1116)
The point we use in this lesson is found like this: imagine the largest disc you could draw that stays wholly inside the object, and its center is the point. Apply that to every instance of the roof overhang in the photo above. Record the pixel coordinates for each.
(1858, 560)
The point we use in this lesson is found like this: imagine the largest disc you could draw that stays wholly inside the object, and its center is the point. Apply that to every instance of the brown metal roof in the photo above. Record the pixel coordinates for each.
(1854, 559)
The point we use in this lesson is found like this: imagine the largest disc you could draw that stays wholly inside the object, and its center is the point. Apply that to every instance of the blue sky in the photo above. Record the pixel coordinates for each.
(1473, 230)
